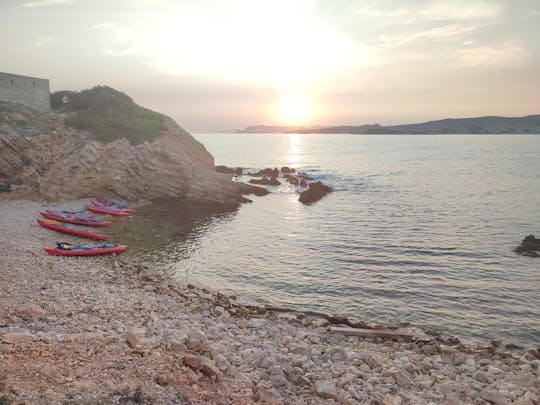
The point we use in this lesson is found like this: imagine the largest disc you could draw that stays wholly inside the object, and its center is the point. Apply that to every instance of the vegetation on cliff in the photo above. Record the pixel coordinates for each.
(108, 114)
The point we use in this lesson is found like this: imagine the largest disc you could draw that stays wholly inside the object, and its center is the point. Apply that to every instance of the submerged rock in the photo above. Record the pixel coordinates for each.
(315, 192)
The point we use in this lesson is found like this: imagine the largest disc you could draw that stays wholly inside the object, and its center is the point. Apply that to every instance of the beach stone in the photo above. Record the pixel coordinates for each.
(256, 323)
(494, 370)
(326, 389)
(32, 312)
(451, 398)
(209, 368)
(191, 360)
(302, 380)
(494, 397)
(482, 377)
(392, 400)
(302, 351)
(523, 402)
(178, 347)
(221, 362)
(133, 340)
(402, 362)
(400, 377)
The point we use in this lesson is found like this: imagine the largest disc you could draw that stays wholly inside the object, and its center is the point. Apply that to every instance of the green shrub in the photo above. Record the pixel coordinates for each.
(108, 114)
(5, 187)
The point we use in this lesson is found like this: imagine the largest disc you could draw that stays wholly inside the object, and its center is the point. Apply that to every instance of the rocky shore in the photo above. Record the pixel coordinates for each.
(104, 330)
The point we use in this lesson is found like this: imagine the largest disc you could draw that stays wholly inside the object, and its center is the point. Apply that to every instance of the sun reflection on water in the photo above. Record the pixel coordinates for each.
(294, 151)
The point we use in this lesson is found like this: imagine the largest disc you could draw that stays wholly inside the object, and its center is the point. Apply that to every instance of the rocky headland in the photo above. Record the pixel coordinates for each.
(47, 153)
(106, 330)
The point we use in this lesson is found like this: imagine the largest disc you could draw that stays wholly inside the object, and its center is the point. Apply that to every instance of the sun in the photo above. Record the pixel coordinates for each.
(294, 110)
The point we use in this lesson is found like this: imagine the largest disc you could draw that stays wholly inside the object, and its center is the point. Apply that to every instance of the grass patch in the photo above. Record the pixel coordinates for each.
(108, 114)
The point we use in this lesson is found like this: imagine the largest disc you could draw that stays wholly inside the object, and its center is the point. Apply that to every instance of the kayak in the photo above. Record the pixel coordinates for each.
(109, 210)
(60, 227)
(67, 249)
(107, 202)
(73, 218)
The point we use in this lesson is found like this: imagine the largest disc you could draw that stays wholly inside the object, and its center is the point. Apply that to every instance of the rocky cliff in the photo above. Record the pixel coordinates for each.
(39, 151)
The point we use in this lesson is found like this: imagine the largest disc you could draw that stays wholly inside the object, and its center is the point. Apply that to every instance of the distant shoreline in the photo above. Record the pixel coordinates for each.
(529, 124)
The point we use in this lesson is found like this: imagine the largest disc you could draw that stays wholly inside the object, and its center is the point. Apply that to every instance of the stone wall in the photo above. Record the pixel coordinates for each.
(29, 91)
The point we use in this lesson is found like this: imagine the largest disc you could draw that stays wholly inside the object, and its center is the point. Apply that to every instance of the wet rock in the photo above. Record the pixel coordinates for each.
(267, 172)
(315, 192)
(272, 181)
(225, 170)
(286, 169)
(530, 246)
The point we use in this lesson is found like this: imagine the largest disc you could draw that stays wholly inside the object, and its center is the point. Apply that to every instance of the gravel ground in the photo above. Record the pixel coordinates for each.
(103, 330)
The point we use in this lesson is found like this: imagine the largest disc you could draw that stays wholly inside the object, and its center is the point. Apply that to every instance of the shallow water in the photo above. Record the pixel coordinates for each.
(419, 228)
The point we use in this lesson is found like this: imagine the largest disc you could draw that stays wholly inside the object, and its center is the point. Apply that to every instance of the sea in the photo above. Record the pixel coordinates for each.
(419, 229)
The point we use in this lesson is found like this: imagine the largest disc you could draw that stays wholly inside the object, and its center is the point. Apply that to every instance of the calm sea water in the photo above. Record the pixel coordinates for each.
(419, 228)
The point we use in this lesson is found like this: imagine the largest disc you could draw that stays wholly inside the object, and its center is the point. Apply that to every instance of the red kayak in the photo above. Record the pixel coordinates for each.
(72, 218)
(67, 249)
(60, 227)
(107, 203)
(118, 212)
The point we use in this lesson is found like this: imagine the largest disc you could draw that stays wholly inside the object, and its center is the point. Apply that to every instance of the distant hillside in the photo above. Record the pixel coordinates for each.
(481, 125)
(272, 129)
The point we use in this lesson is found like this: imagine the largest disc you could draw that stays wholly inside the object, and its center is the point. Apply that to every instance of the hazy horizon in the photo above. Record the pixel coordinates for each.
(228, 64)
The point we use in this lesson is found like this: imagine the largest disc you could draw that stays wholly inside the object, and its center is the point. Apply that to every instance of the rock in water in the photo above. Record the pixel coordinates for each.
(529, 246)
(315, 192)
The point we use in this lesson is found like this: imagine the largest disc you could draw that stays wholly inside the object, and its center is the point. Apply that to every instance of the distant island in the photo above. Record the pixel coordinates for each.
(529, 124)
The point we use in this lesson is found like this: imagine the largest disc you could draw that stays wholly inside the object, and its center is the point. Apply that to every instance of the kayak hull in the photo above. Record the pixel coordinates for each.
(103, 210)
(85, 252)
(59, 227)
(77, 220)
(102, 203)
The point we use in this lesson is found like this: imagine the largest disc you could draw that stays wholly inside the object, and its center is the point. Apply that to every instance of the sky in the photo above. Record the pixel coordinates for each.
(222, 64)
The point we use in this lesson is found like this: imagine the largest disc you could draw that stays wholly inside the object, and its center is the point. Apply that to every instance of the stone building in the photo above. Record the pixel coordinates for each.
(29, 91)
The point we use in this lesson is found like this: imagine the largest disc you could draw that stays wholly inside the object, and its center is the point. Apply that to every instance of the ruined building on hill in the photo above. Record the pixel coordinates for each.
(25, 90)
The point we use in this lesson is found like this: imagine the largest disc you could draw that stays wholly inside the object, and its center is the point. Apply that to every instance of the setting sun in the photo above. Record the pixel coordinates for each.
(294, 110)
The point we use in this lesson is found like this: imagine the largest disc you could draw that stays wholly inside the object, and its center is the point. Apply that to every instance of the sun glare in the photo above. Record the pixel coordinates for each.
(294, 110)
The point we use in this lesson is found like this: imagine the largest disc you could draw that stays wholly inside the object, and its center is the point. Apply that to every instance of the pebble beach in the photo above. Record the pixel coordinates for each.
(107, 330)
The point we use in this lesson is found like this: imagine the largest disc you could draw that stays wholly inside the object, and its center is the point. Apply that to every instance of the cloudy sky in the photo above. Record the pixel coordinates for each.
(220, 64)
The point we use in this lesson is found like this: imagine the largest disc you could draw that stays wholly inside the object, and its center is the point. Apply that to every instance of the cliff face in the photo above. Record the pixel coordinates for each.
(41, 152)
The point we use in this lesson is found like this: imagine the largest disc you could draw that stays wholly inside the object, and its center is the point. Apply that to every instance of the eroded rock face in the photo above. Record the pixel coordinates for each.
(63, 163)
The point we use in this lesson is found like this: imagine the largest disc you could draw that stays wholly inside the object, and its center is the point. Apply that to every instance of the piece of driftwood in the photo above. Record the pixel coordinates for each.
(382, 333)
(333, 319)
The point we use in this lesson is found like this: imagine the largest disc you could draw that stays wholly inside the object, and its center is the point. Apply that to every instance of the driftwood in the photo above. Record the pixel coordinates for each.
(382, 333)
(333, 319)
